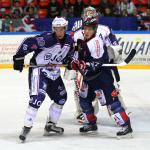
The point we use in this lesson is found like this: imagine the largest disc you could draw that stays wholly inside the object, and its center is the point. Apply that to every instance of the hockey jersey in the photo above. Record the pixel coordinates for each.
(94, 54)
(48, 50)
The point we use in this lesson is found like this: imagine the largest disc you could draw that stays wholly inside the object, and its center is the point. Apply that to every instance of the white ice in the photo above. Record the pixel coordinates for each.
(135, 85)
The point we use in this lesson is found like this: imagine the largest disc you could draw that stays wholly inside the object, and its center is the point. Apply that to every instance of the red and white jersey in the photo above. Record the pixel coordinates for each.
(104, 32)
(96, 47)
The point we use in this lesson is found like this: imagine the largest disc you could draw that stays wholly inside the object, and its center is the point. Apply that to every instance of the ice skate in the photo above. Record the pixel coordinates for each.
(126, 132)
(51, 127)
(88, 128)
(25, 131)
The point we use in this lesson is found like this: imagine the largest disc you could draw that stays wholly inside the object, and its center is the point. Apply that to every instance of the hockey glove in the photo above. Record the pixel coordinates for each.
(18, 63)
(92, 68)
(33, 61)
(77, 65)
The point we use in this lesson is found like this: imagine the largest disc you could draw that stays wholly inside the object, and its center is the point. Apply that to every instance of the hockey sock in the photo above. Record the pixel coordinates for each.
(54, 112)
(30, 116)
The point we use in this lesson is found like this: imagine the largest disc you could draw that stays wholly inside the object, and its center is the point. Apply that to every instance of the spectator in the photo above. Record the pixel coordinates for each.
(2, 12)
(30, 9)
(7, 24)
(146, 13)
(17, 7)
(53, 9)
(108, 12)
(127, 5)
(105, 4)
(67, 9)
(78, 7)
(141, 25)
(16, 14)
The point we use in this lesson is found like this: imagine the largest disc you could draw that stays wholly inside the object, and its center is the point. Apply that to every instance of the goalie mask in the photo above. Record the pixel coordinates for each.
(89, 12)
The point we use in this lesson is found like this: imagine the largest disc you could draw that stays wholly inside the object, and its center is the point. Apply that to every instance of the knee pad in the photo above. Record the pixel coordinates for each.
(36, 100)
(61, 101)
(87, 107)
(116, 107)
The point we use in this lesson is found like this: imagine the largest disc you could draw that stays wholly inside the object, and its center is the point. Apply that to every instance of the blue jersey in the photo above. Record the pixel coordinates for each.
(48, 50)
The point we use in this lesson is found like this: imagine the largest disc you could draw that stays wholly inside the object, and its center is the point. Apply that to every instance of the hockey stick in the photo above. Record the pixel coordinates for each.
(123, 63)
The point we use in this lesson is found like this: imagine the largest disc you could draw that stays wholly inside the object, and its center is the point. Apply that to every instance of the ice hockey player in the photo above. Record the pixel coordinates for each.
(114, 52)
(92, 55)
(48, 48)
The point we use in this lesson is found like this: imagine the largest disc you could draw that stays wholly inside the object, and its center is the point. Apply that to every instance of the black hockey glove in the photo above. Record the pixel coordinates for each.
(18, 63)
(92, 68)
(33, 62)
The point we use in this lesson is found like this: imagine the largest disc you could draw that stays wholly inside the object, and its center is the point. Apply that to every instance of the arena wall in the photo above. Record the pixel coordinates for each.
(139, 40)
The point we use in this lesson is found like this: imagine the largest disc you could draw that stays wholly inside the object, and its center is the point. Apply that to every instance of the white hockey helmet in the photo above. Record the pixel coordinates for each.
(59, 22)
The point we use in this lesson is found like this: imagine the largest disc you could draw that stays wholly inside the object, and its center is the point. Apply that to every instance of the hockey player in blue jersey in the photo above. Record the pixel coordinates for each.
(92, 54)
(48, 48)
(114, 51)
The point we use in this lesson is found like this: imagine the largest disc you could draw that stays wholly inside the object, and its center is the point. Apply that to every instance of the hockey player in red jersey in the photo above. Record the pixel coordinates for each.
(115, 55)
(97, 80)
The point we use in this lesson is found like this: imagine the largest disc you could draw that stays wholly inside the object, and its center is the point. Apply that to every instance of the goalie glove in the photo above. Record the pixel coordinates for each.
(18, 63)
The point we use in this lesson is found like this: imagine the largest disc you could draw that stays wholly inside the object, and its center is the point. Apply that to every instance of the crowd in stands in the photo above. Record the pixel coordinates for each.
(24, 11)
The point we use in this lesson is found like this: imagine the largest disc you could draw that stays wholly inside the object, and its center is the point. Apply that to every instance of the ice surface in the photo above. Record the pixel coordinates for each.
(135, 85)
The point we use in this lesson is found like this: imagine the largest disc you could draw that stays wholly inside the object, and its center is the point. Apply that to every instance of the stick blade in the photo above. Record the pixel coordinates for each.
(130, 56)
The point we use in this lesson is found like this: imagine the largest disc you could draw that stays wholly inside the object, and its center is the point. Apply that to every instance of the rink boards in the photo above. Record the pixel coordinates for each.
(129, 40)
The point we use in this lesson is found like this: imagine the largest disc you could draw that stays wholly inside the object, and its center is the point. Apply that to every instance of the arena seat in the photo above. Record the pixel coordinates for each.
(8, 12)
(42, 13)
(5, 3)
(22, 3)
(60, 2)
(72, 2)
(143, 2)
(86, 2)
(44, 3)
(95, 2)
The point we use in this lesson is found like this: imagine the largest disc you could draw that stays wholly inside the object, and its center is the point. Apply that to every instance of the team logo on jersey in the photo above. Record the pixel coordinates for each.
(25, 47)
(47, 56)
(40, 41)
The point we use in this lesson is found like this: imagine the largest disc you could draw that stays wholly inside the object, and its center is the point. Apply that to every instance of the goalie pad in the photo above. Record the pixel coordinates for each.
(69, 74)
(115, 53)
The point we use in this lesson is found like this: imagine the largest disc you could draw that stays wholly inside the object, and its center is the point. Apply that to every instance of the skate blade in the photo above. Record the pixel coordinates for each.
(127, 136)
(51, 133)
(21, 141)
(89, 133)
